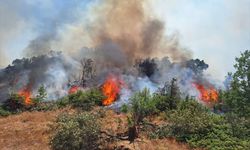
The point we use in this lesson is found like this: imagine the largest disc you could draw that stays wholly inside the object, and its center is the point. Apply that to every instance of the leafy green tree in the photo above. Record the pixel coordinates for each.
(238, 96)
(142, 105)
(42, 94)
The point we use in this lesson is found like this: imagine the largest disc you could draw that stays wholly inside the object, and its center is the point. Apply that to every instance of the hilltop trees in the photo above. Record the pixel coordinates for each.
(237, 98)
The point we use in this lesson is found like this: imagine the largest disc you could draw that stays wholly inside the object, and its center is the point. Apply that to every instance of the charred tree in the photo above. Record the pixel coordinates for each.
(88, 70)
(174, 94)
(146, 67)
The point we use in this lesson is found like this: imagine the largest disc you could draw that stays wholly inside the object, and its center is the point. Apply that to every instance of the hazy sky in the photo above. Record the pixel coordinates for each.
(214, 30)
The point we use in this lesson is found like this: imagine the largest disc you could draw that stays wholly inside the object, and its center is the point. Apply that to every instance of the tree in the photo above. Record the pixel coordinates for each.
(142, 105)
(42, 94)
(238, 96)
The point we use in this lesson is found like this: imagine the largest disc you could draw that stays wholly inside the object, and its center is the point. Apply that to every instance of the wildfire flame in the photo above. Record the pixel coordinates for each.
(111, 89)
(73, 89)
(26, 94)
(207, 94)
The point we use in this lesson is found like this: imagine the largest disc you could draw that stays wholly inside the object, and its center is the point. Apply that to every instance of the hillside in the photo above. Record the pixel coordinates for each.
(31, 130)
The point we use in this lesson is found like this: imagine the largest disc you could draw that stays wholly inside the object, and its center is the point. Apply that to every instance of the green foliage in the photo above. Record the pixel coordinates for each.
(76, 132)
(124, 108)
(45, 106)
(4, 112)
(240, 126)
(218, 137)
(238, 98)
(165, 102)
(190, 118)
(196, 125)
(63, 102)
(142, 105)
(15, 103)
(42, 95)
(86, 100)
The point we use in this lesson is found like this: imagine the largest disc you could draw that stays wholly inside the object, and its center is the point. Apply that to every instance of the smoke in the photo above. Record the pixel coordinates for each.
(136, 33)
(122, 38)
(54, 71)
(117, 29)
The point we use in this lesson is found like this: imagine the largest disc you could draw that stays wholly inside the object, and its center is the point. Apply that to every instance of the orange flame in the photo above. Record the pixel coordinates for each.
(111, 89)
(26, 94)
(207, 94)
(73, 89)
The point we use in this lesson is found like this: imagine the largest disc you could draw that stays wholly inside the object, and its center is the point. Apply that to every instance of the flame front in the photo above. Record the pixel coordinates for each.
(111, 89)
(26, 94)
(73, 89)
(207, 94)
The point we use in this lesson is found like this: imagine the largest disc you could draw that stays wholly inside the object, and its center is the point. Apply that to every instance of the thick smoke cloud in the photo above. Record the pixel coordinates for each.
(121, 37)
(124, 27)
(136, 33)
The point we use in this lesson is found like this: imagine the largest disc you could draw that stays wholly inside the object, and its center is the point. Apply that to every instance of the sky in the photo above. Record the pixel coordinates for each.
(214, 30)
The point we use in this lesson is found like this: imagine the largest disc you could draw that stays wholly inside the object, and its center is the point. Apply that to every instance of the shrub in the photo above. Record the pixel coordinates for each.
(86, 100)
(76, 132)
(190, 118)
(4, 112)
(15, 103)
(41, 96)
(162, 102)
(142, 105)
(196, 125)
(124, 108)
(63, 102)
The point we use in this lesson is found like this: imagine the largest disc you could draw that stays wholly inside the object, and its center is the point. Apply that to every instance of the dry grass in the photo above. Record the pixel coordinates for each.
(31, 131)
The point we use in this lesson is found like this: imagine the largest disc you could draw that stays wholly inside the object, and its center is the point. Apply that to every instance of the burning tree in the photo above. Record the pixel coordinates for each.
(111, 89)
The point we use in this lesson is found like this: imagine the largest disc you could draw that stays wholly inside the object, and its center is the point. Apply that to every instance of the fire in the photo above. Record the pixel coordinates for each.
(207, 94)
(26, 94)
(111, 89)
(73, 89)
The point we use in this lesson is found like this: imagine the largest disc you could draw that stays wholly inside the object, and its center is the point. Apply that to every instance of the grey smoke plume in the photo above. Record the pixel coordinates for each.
(119, 33)
(135, 33)
(54, 71)
(118, 29)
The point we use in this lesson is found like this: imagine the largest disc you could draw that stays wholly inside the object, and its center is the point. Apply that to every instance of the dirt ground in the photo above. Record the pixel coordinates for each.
(31, 131)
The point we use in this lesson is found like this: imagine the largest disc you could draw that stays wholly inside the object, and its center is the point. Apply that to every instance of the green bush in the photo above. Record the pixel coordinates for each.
(4, 112)
(86, 100)
(41, 96)
(196, 125)
(163, 102)
(76, 132)
(45, 106)
(124, 108)
(63, 102)
(190, 118)
(15, 103)
(142, 105)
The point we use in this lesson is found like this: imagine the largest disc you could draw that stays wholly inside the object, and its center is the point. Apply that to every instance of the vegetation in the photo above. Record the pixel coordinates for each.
(237, 98)
(86, 100)
(226, 126)
(76, 132)
(196, 125)
(42, 95)
(15, 104)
